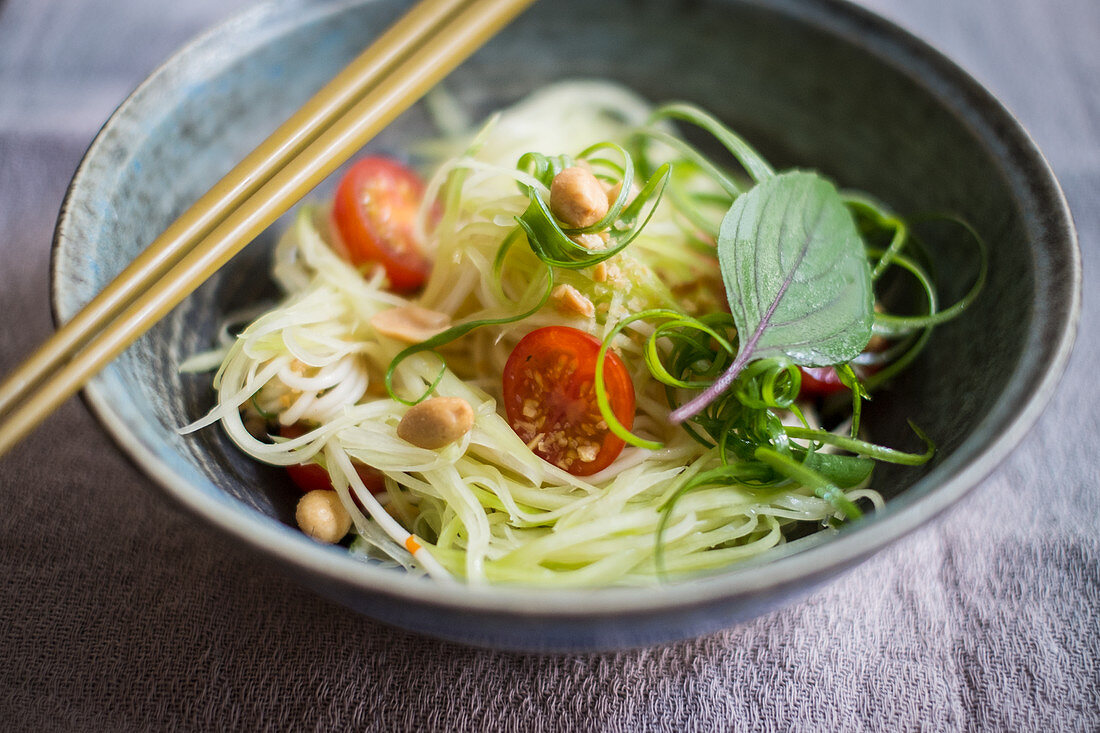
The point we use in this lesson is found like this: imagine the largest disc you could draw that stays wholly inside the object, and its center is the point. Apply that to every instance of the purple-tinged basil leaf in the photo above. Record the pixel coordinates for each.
(796, 276)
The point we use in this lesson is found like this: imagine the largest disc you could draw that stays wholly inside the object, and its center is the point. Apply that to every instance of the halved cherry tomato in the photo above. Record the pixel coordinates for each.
(311, 477)
(375, 214)
(820, 381)
(550, 399)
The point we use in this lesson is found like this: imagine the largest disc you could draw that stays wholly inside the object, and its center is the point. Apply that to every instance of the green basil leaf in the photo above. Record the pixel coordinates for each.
(796, 272)
(842, 471)
(796, 275)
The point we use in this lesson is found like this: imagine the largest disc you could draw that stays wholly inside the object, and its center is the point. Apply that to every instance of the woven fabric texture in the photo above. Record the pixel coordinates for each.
(118, 612)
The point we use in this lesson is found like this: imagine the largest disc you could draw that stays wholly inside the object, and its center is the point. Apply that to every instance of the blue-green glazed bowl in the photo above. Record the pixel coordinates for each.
(813, 83)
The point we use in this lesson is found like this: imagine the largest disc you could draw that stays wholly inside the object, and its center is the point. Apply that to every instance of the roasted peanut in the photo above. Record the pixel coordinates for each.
(410, 324)
(321, 516)
(614, 275)
(590, 241)
(570, 300)
(436, 422)
(614, 191)
(576, 197)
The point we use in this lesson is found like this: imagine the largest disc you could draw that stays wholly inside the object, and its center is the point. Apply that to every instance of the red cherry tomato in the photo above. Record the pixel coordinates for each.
(820, 381)
(312, 477)
(550, 399)
(309, 477)
(375, 213)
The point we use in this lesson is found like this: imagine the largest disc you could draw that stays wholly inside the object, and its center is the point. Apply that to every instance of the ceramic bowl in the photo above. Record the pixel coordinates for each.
(812, 83)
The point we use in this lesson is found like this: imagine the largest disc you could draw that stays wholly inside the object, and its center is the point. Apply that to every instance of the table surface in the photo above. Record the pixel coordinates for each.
(119, 612)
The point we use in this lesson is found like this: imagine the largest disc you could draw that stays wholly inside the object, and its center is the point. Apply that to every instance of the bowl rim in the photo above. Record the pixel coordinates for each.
(843, 19)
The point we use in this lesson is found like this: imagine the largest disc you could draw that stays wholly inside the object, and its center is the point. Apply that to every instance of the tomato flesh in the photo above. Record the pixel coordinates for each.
(550, 399)
(312, 477)
(820, 381)
(374, 212)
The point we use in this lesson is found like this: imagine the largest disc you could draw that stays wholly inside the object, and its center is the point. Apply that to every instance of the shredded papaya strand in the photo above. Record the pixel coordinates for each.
(741, 422)
(456, 332)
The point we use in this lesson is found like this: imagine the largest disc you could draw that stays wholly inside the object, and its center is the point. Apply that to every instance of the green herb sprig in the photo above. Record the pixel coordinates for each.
(800, 279)
(625, 218)
(550, 242)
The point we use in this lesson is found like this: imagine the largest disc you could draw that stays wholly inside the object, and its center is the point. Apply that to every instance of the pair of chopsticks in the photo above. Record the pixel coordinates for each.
(424, 46)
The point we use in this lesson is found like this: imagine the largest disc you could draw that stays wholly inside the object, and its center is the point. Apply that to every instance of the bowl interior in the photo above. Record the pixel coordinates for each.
(812, 84)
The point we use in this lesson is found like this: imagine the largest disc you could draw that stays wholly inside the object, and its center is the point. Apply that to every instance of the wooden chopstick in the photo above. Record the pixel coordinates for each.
(392, 93)
(244, 180)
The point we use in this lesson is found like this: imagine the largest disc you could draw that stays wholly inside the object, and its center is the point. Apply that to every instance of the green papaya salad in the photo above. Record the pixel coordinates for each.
(582, 351)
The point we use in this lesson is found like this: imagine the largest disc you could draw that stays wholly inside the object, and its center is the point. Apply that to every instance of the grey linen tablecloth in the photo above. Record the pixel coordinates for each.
(118, 612)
